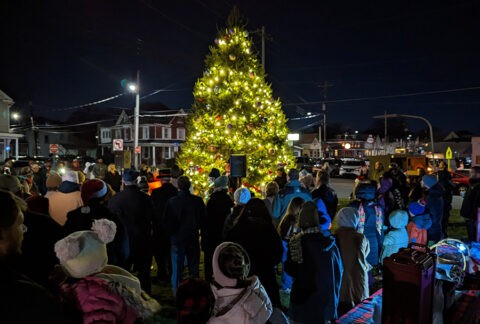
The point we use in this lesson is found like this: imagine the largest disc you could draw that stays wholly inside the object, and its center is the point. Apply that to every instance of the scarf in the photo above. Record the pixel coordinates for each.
(378, 215)
(295, 244)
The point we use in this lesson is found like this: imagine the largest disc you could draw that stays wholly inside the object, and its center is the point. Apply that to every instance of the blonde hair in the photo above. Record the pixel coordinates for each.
(111, 168)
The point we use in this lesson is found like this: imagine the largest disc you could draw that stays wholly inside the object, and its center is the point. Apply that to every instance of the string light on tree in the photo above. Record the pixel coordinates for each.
(234, 112)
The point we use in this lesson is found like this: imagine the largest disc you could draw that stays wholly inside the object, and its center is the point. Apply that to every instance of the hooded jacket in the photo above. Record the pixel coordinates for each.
(254, 306)
(354, 248)
(293, 188)
(417, 228)
(317, 279)
(397, 237)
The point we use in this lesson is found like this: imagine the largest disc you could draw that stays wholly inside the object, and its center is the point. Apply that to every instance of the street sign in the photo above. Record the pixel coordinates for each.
(448, 153)
(370, 139)
(118, 144)
(54, 148)
(138, 150)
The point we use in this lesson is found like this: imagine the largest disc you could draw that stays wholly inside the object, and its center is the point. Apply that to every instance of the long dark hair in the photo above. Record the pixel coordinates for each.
(255, 210)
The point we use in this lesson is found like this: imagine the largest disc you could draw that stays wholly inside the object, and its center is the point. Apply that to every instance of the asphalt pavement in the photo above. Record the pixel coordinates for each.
(344, 188)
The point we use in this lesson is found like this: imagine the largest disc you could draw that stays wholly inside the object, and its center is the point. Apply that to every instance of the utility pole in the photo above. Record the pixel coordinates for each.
(386, 138)
(136, 114)
(325, 87)
(34, 130)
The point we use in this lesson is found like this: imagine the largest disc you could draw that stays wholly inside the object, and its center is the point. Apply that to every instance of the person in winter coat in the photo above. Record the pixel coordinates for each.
(21, 299)
(471, 203)
(182, 217)
(135, 209)
(281, 178)
(325, 192)
(66, 198)
(218, 207)
(271, 191)
(397, 237)
(371, 219)
(255, 232)
(419, 223)
(287, 228)
(100, 293)
(238, 297)
(434, 199)
(113, 178)
(315, 263)
(161, 240)
(241, 197)
(293, 188)
(354, 248)
(94, 193)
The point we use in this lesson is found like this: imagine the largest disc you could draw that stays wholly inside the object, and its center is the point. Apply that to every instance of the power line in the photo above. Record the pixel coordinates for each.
(381, 97)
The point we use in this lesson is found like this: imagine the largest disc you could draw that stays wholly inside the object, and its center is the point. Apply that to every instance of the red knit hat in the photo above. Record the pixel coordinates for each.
(93, 188)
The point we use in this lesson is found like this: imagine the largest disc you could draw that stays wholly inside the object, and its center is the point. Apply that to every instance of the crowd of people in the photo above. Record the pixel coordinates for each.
(78, 244)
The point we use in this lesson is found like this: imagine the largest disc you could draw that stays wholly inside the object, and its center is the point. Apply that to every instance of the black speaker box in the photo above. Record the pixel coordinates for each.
(238, 165)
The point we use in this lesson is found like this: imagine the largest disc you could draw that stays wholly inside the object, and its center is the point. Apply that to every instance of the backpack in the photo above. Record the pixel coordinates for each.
(194, 301)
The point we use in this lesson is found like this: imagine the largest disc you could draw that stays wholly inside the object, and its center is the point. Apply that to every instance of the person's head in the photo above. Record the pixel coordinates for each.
(75, 163)
(11, 183)
(293, 174)
(308, 215)
(38, 204)
(48, 166)
(183, 183)
(83, 253)
(130, 177)
(394, 168)
(11, 224)
(221, 182)
(322, 177)
(272, 189)
(442, 165)
(398, 218)
(241, 196)
(307, 180)
(475, 172)
(70, 176)
(176, 171)
(378, 166)
(214, 174)
(280, 171)
(111, 168)
(348, 217)
(231, 265)
(417, 207)
(255, 208)
(100, 160)
(295, 206)
(54, 180)
(35, 167)
(194, 301)
(93, 190)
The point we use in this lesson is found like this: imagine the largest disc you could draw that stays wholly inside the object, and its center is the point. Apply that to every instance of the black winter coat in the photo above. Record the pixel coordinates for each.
(219, 206)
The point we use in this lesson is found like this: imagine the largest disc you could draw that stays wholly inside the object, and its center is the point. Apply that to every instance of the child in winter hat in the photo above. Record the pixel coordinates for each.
(101, 292)
(420, 222)
(238, 298)
(397, 238)
(241, 196)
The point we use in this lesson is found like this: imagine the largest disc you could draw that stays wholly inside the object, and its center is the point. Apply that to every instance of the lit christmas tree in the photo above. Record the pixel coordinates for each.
(234, 113)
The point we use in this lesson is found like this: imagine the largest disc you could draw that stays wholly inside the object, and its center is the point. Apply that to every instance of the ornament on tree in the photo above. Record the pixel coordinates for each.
(212, 148)
(232, 57)
(229, 126)
(218, 156)
(216, 41)
(231, 31)
(200, 170)
(251, 75)
(258, 104)
(271, 151)
(250, 127)
(264, 119)
(199, 99)
(219, 117)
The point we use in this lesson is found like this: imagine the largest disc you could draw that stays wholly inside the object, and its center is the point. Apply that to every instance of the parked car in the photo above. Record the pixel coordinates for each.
(350, 167)
(333, 165)
(305, 162)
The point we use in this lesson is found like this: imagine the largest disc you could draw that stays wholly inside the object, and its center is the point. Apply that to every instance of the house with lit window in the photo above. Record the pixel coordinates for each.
(8, 139)
(161, 134)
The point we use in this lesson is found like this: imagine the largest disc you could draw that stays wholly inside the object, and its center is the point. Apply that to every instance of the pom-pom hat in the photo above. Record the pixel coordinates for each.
(93, 188)
(84, 253)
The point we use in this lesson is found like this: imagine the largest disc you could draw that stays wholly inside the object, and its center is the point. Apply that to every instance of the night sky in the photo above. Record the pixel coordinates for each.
(59, 54)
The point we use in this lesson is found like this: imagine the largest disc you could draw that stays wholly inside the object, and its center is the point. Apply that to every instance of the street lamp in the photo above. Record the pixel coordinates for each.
(136, 89)
(417, 117)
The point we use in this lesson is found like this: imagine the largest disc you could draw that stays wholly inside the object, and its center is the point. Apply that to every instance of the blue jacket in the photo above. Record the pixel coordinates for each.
(434, 199)
(397, 237)
(292, 189)
(316, 286)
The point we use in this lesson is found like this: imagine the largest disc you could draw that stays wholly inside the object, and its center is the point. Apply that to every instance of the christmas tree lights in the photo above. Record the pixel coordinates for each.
(234, 112)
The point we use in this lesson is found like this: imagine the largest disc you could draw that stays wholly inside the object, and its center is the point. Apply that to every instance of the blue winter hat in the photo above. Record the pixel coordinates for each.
(416, 208)
(129, 176)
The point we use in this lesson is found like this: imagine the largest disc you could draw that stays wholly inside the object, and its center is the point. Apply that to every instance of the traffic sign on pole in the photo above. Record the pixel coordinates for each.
(118, 144)
(54, 148)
